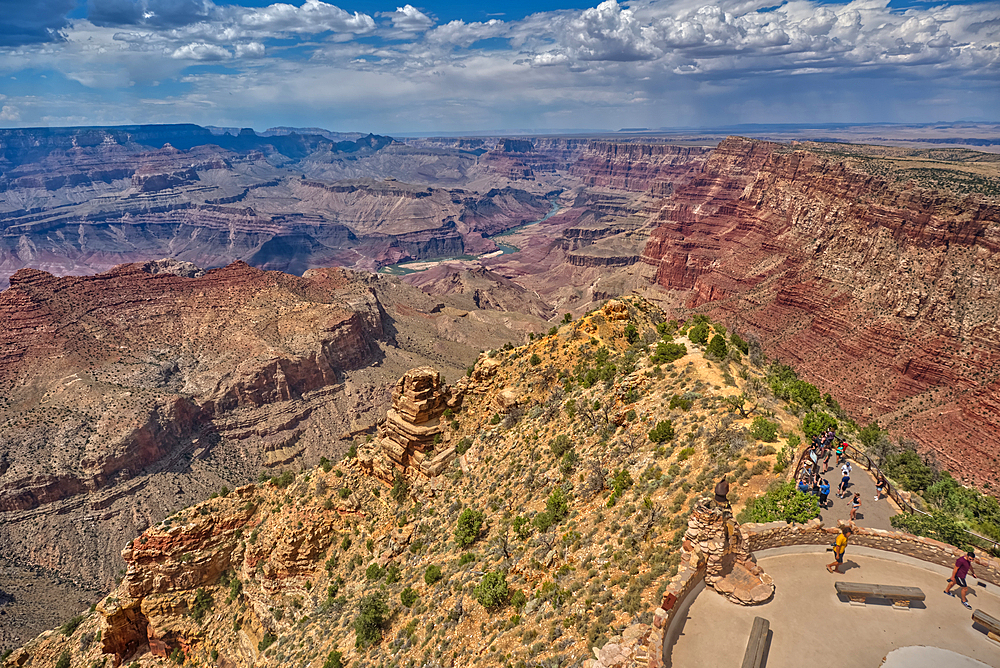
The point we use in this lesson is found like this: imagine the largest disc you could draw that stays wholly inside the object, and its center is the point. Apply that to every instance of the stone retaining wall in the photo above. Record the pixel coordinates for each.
(780, 534)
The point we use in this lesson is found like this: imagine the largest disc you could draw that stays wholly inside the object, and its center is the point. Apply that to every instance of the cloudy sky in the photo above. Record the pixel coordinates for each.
(492, 65)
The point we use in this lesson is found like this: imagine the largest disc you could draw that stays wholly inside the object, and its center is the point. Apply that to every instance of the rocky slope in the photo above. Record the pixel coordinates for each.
(873, 274)
(549, 488)
(131, 393)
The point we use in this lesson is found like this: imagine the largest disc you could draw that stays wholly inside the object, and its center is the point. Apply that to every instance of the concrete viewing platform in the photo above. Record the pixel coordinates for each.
(812, 626)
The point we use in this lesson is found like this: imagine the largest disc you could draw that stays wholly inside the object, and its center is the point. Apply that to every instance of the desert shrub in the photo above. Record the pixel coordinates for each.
(432, 574)
(560, 445)
(399, 488)
(283, 480)
(631, 333)
(177, 656)
(816, 422)
(621, 481)
(677, 401)
(71, 625)
(738, 343)
(939, 526)
(374, 571)
(373, 614)
(781, 502)
(663, 431)
(699, 333)
(764, 430)
(265, 642)
(344, 492)
(760, 467)
(470, 523)
(467, 558)
(492, 591)
(534, 360)
(63, 660)
(568, 462)
(463, 446)
(408, 597)
(717, 347)
(202, 603)
(667, 352)
(325, 464)
(685, 453)
(334, 660)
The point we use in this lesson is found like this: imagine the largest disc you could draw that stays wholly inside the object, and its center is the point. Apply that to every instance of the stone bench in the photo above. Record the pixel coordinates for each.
(991, 624)
(756, 646)
(859, 593)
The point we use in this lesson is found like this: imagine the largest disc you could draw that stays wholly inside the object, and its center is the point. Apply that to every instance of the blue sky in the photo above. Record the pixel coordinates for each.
(452, 67)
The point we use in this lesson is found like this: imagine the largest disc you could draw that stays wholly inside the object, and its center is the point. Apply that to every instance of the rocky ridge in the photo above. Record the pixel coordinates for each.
(275, 572)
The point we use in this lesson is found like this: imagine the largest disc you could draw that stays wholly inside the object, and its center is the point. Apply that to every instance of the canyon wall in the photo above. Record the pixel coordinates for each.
(880, 291)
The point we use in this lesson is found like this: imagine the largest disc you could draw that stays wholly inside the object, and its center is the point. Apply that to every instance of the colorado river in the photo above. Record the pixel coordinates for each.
(413, 266)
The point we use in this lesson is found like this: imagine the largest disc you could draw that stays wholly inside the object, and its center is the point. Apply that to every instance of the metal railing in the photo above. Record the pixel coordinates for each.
(862, 458)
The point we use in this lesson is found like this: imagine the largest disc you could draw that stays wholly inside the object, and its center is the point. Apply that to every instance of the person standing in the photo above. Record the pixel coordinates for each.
(722, 493)
(855, 504)
(838, 550)
(963, 566)
(824, 492)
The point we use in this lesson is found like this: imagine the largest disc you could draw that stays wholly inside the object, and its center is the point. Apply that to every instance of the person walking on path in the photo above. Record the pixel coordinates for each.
(963, 566)
(881, 486)
(844, 482)
(855, 504)
(828, 452)
(838, 550)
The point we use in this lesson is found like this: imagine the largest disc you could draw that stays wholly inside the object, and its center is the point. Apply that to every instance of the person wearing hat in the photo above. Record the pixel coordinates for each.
(963, 566)
(838, 550)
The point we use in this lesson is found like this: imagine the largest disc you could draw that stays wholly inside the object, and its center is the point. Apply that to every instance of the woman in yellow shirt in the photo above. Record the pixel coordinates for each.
(838, 550)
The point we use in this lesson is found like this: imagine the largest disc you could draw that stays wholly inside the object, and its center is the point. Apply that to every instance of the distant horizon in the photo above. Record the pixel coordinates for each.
(442, 66)
(710, 130)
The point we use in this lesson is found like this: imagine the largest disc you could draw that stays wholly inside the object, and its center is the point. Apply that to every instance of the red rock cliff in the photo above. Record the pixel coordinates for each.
(881, 292)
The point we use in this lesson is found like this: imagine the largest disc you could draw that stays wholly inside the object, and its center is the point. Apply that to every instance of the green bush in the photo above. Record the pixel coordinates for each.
(663, 431)
(492, 592)
(467, 558)
(781, 502)
(470, 523)
(816, 422)
(284, 480)
(344, 492)
(939, 526)
(265, 642)
(699, 333)
(560, 445)
(177, 656)
(685, 453)
(534, 360)
(373, 614)
(739, 343)
(667, 352)
(202, 603)
(556, 509)
(325, 464)
(463, 446)
(63, 660)
(374, 571)
(717, 347)
(677, 401)
(70, 626)
(399, 488)
(621, 481)
(764, 430)
(631, 333)
(432, 574)
(334, 660)
(909, 470)
(568, 462)
(408, 597)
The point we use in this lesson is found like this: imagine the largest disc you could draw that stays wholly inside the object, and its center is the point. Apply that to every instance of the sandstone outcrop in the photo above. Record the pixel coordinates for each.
(637, 166)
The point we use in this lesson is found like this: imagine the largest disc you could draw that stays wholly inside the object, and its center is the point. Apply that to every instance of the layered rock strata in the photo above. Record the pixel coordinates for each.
(875, 288)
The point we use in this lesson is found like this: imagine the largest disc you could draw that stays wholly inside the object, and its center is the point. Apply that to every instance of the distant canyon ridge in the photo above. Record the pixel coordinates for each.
(186, 308)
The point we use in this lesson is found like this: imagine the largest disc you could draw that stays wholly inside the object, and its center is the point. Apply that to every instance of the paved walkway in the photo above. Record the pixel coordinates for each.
(872, 514)
(812, 627)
